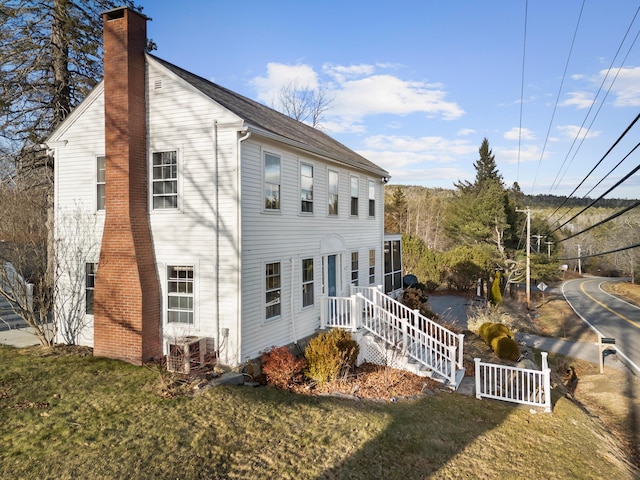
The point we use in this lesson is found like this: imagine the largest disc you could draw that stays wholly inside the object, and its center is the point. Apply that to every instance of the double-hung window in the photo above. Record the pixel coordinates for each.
(272, 289)
(271, 181)
(101, 182)
(354, 268)
(180, 294)
(307, 282)
(89, 285)
(354, 195)
(372, 198)
(333, 187)
(372, 267)
(306, 188)
(165, 180)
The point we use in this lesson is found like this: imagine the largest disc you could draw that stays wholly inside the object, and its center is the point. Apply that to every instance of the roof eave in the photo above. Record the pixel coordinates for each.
(316, 151)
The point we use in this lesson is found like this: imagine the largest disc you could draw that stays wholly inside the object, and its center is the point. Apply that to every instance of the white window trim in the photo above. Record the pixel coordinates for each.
(312, 282)
(95, 273)
(369, 182)
(351, 197)
(179, 329)
(375, 265)
(263, 303)
(314, 193)
(179, 180)
(337, 172)
(96, 183)
(263, 153)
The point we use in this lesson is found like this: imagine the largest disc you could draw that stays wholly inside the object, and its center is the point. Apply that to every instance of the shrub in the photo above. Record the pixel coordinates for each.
(496, 330)
(482, 331)
(496, 290)
(329, 354)
(505, 347)
(281, 367)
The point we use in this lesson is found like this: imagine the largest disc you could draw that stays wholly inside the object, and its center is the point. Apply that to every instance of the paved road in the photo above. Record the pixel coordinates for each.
(608, 315)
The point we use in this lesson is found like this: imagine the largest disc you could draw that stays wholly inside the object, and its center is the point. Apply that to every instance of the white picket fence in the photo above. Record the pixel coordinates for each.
(513, 384)
(416, 336)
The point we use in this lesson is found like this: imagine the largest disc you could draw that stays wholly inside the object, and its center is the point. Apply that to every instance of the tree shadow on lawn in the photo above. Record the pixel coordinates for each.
(450, 436)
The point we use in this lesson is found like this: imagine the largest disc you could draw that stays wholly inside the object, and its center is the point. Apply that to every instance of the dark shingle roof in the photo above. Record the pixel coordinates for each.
(265, 118)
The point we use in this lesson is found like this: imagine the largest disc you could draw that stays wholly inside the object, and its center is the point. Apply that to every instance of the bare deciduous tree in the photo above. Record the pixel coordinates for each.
(303, 103)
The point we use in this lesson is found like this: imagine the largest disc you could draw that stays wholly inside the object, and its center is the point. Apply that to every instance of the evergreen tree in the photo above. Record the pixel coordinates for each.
(51, 57)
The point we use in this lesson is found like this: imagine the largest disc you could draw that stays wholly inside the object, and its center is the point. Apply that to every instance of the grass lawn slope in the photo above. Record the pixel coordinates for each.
(66, 416)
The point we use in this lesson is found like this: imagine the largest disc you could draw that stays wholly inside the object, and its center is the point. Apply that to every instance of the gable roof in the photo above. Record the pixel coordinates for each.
(267, 119)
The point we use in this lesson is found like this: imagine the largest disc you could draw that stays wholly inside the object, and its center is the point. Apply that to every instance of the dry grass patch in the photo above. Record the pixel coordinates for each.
(626, 290)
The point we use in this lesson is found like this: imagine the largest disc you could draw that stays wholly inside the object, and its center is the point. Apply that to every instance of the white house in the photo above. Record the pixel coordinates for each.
(211, 215)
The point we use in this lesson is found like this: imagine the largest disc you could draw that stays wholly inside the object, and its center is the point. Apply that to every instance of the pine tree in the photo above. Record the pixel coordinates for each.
(51, 57)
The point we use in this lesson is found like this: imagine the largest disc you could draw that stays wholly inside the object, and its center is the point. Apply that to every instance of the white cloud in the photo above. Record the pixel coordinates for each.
(574, 131)
(512, 134)
(625, 87)
(386, 94)
(513, 156)
(358, 92)
(433, 149)
(278, 75)
(465, 131)
(578, 99)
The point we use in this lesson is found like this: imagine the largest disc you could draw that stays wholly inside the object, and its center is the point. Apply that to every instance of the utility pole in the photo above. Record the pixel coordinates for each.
(539, 237)
(528, 272)
(548, 244)
(579, 260)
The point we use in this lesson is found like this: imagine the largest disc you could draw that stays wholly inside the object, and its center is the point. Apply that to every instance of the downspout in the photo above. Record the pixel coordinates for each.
(246, 135)
(214, 139)
(293, 324)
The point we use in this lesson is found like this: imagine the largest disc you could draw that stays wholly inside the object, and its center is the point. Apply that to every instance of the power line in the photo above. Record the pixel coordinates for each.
(555, 106)
(608, 219)
(556, 181)
(524, 50)
(596, 166)
(602, 196)
(621, 249)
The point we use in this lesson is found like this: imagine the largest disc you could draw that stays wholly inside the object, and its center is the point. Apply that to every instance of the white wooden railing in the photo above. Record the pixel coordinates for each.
(512, 384)
(417, 336)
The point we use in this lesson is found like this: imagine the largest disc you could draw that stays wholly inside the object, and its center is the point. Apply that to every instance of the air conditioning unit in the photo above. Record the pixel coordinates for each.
(185, 353)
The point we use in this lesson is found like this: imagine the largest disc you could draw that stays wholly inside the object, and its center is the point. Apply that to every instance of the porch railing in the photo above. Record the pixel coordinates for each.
(513, 384)
(417, 336)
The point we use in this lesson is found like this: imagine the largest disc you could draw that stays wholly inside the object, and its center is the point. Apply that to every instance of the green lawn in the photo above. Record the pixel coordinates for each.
(83, 417)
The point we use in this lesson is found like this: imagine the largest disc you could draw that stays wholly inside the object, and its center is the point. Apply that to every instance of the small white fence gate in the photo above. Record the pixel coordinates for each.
(513, 384)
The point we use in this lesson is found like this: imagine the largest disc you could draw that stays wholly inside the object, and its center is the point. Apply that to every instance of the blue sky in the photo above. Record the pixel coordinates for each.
(416, 85)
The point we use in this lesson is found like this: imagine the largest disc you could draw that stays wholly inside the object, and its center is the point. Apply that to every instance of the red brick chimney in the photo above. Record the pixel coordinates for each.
(127, 292)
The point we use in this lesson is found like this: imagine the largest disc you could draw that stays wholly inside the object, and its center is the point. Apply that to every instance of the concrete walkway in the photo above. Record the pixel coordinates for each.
(19, 337)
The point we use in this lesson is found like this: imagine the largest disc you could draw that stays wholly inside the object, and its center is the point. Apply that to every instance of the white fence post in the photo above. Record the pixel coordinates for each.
(356, 312)
(546, 374)
(460, 348)
(478, 391)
